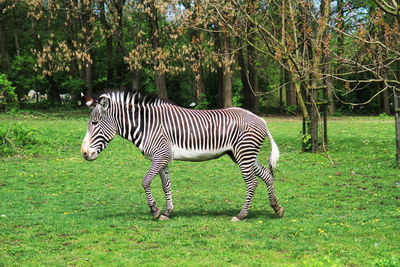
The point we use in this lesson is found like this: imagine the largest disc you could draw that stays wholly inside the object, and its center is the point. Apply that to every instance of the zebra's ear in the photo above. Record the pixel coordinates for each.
(104, 102)
(90, 102)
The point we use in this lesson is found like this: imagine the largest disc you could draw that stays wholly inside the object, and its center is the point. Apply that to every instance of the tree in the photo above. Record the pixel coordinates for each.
(227, 77)
(247, 62)
(296, 48)
(394, 9)
(4, 53)
(109, 42)
(152, 14)
(87, 40)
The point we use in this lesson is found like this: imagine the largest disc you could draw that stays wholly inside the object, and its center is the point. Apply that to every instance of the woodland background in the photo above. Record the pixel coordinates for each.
(298, 57)
(267, 56)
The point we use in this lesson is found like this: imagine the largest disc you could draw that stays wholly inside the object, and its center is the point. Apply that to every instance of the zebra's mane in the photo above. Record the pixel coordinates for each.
(139, 98)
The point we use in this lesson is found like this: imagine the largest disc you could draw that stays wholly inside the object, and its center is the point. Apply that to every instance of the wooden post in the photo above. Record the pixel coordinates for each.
(396, 118)
(303, 144)
(325, 114)
(325, 125)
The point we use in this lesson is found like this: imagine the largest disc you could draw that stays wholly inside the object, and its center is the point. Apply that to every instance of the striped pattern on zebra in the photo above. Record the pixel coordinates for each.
(164, 132)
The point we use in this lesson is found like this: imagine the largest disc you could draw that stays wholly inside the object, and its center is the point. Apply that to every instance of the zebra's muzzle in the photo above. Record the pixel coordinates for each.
(88, 153)
(89, 156)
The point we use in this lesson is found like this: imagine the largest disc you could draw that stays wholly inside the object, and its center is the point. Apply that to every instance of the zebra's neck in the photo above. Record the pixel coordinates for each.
(132, 112)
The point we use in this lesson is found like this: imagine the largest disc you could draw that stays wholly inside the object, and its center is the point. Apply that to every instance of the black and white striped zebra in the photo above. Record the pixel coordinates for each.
(164, 132)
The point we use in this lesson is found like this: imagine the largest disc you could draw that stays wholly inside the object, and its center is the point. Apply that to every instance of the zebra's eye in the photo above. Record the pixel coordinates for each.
(94, 123)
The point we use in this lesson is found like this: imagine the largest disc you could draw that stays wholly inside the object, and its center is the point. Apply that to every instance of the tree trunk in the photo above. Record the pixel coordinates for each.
(80, 62)
(54, 91)
(88, 63)
(283, 33)
(198, 68)
(120, 48)
(314, 121)
(220, 81)
(135, 80)
(227, 81)
(220, 71)
(196, 42)
(110, 62)
(109, 45)
(4, 53)
(159, 79)
(397, 123)
(329, 92)
(247, 99)
(89, 77)
(159, 76)
(248, 70)
(253, 77)
(72, 36)
(315, 77)
(340, 41)
(17, 44)
(282, 79)
(340, 21)
(200, 87)
(290, 90)
(379, 102)
(386, 104)
(329, 107)
(310, 131)
(16, 34)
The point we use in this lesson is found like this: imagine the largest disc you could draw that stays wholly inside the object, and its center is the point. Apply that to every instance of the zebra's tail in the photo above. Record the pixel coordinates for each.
(274, 155)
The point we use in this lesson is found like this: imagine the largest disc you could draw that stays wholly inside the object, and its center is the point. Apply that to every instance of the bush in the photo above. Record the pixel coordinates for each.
(292, 109)
(383, 116)
(16, 139)
(8, 97)
(203, 103)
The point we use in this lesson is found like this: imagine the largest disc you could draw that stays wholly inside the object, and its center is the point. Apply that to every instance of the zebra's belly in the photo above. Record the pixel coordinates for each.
(197, 155)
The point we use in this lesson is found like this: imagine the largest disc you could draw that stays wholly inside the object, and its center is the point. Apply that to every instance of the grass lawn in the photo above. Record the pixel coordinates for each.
(57, 209)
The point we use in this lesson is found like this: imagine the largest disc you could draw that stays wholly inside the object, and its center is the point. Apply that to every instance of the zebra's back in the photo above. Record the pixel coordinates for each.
(197, 135)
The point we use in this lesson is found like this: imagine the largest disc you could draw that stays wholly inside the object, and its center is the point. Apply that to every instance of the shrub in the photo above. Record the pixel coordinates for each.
(16, 139)
(8, 97)
(203, 103)
(292, 109)
(383, 116)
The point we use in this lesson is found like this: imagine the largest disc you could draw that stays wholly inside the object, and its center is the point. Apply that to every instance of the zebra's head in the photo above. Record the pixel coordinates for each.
(101, 127)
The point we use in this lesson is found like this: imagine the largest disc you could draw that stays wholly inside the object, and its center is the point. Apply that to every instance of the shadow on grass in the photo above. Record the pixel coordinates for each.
(143, 215)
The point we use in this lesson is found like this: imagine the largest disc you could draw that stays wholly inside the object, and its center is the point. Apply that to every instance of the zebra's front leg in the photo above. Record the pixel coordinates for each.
(251, 185)
(155, 168)
(166, 183)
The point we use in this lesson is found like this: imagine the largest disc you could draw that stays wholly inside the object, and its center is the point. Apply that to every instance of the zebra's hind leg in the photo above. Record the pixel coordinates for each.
(166, 183)
(267, 176)
(156, 166)
(251, 185)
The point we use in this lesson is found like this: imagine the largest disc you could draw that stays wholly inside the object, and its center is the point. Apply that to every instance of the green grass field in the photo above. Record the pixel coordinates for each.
(57, 209)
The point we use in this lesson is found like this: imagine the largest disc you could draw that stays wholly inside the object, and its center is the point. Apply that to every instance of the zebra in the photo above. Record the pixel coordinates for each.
(164, 132)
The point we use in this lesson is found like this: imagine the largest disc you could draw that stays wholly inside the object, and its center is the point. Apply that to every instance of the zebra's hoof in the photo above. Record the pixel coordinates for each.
(156, 214)
(235, 219)
(164, 218)
(279, 212)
